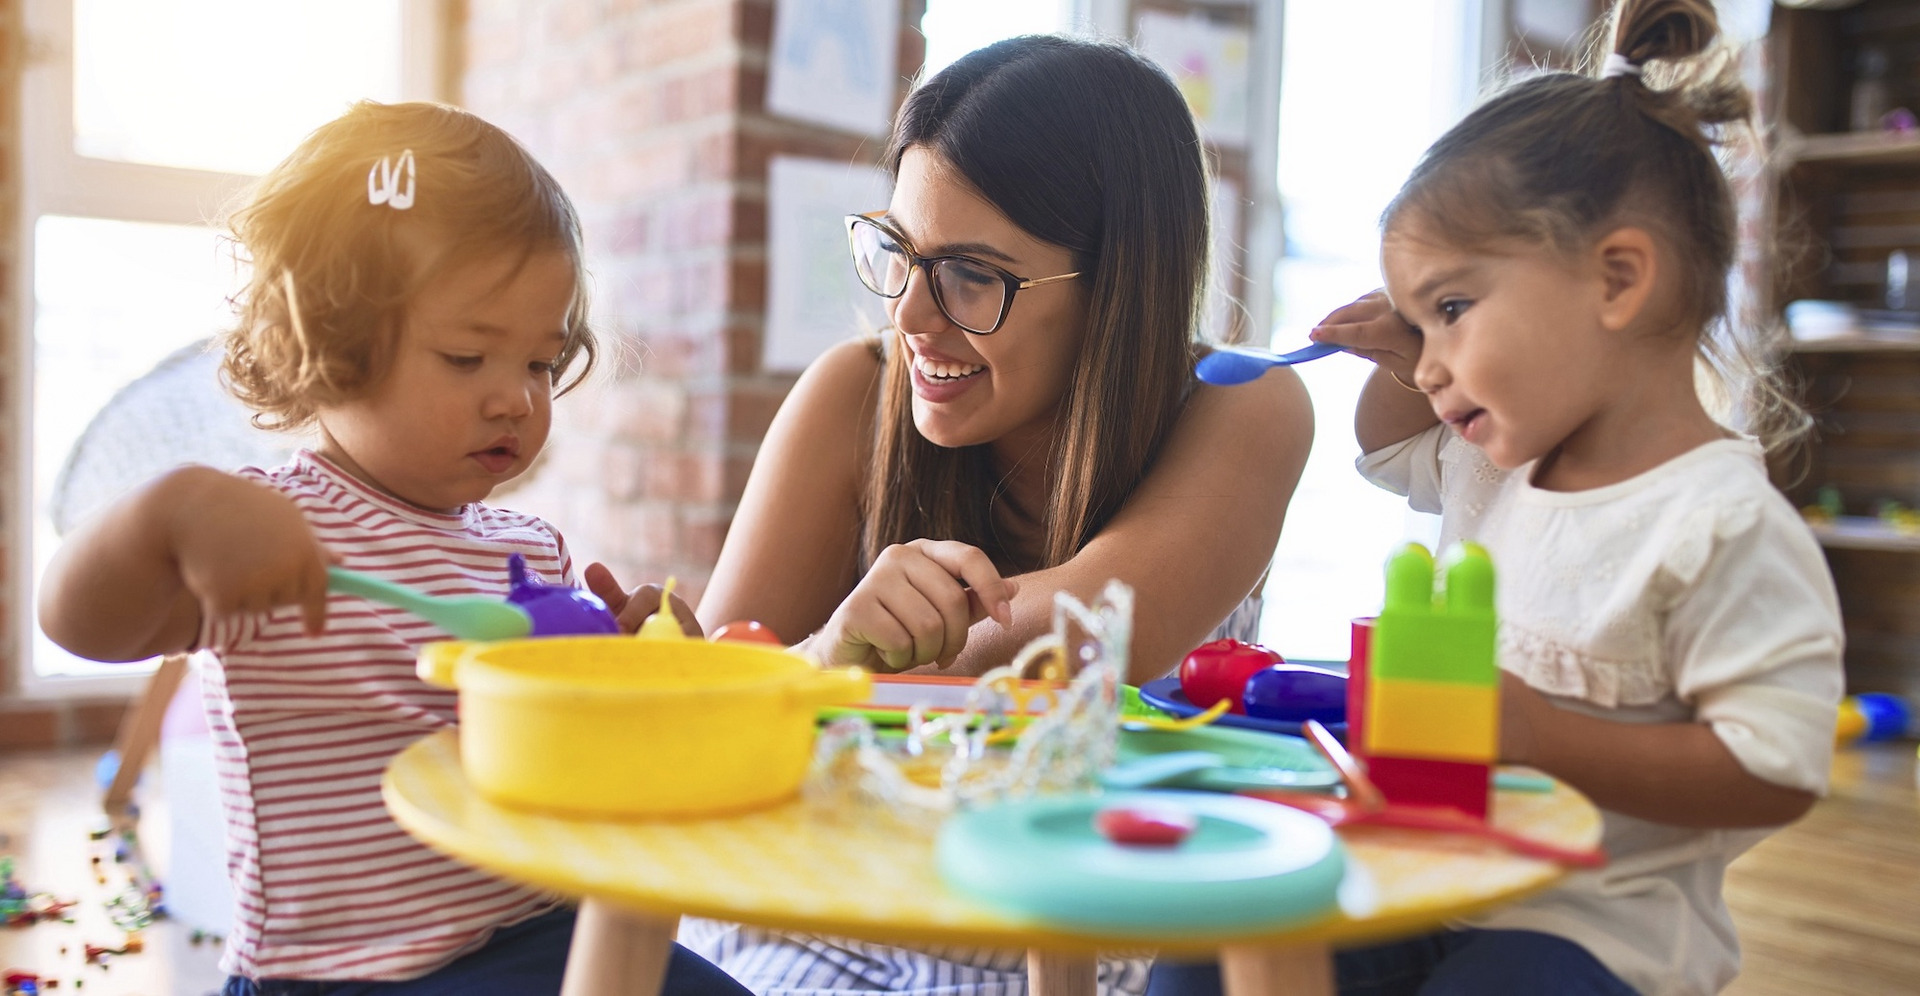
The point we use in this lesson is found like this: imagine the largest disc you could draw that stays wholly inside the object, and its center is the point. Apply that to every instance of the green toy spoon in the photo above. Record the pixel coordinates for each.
(469, 617)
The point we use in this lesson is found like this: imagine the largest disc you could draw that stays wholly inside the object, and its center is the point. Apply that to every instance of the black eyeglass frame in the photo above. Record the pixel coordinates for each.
(915, 261)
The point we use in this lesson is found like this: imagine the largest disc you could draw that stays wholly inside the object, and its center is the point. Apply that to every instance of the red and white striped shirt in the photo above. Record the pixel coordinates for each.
(327, 886)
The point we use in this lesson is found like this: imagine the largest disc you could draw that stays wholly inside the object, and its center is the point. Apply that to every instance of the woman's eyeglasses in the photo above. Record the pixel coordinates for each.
(973, 295)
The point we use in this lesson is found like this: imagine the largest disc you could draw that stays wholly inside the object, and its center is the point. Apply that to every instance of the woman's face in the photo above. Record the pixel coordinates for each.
(970, 389)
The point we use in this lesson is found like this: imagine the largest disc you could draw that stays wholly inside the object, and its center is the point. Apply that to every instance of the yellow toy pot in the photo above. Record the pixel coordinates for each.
(618, 726)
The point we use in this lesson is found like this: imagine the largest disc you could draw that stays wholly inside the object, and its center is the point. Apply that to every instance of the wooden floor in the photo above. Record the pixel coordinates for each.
(1832, 903)
(48, 806)
(1830, 906)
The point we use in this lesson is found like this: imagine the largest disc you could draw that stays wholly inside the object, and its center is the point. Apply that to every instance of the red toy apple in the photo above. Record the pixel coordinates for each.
(1219, 670)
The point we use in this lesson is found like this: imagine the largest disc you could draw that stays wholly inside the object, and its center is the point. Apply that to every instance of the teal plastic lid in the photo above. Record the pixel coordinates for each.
(1248, 865)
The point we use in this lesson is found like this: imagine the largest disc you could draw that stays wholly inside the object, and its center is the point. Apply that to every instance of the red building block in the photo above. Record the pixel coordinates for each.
(1357, 686)
(1412, 781)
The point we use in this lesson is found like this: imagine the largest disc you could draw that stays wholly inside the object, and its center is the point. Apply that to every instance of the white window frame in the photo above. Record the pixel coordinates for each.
(56, 180)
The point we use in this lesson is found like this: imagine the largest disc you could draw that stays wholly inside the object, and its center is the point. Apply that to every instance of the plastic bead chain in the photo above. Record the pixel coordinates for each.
(1062, 750)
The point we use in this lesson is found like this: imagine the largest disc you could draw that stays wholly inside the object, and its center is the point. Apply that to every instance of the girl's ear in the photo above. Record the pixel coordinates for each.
(1628, 266)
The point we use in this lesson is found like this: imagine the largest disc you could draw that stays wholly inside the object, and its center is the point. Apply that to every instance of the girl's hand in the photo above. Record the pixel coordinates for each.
(1369, 327)
(914, 607)
(631, 608)
(243, 548)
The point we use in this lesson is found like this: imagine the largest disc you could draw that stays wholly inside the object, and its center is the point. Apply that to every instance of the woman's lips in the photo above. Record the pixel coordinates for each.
(941, 389)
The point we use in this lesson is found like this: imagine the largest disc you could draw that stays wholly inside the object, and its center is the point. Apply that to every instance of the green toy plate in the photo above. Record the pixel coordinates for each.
(1247, 865)
(1249, 759)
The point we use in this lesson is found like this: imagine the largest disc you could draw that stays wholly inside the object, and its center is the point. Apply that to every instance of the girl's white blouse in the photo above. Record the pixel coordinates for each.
(1690, 593)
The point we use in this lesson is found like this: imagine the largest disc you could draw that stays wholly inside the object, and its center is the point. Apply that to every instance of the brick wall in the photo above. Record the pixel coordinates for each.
(652, 116)
(24, 722)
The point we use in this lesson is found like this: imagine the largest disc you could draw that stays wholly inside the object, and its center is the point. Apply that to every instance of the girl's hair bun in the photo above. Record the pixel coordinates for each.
(1647, 30)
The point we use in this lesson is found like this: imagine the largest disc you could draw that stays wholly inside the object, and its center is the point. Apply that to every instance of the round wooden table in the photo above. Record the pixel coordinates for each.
(809, 867)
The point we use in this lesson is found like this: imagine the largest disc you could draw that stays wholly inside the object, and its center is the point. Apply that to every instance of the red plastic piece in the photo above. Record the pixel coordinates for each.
(1220, 669)
(1144, 827)
(1357, 686)
(748, 631)
(1414, 781)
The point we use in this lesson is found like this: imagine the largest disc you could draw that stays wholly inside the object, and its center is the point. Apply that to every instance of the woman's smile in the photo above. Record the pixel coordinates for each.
(937, 380)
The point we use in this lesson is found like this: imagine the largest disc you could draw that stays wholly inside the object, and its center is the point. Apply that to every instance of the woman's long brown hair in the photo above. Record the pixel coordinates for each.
(1090, 147)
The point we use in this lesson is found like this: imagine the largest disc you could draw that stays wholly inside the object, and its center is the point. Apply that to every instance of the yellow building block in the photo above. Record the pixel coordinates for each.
(1439, 720)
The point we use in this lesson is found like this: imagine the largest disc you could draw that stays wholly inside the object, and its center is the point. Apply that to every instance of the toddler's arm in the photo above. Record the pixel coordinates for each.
(1753, 636)
(137, 579)
(1676, 773)
(1388, 411)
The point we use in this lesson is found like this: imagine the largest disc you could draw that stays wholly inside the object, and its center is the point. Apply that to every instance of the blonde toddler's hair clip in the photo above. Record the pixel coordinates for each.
(383, 182)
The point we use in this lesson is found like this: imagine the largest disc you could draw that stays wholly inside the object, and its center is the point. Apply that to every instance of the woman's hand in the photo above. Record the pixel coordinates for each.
(243, 548)
(631, 608)
(1369, 327)
(914, 607)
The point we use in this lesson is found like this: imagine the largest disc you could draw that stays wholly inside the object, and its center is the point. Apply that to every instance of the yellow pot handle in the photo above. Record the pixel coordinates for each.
(838, 687)
(439, 662)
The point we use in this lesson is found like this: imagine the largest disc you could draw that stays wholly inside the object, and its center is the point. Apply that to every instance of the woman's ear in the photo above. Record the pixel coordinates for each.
(1628, 265)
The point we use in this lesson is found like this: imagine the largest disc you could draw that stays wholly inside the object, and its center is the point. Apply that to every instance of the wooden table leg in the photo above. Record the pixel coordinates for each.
(1258, 971)
(1052, 974)
(617, 953)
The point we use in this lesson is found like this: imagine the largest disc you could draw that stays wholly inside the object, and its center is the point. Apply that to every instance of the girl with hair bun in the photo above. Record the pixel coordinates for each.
(1556, 273)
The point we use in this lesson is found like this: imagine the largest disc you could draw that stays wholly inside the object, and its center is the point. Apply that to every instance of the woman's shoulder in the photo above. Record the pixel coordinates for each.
(1276, 404)
(842, 386)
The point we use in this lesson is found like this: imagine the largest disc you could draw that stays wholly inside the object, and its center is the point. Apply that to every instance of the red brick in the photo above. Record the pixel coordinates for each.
(747, 285)
(703, 531)
(30, 726)
(691, 30)
(648, 410)
(745, 348)
(755, 26)
(95, 722)
(1422, 782)
(647, 533)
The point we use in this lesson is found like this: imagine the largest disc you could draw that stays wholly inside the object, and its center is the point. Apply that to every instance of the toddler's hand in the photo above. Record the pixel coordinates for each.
(243, 548)
(631, 608)
(1370, 327)
(914, 607)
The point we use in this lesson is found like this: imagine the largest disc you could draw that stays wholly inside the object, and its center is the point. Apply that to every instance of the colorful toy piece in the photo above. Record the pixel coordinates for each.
(1219, 670)
(1425, 709)
(1872, 716)
(557, 609)
(662, 625)
(1295, 693)
(748, 631)
(1139, 826)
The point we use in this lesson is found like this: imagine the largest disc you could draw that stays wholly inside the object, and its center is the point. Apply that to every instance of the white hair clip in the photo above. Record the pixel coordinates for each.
(1619, 65)
(383, 182)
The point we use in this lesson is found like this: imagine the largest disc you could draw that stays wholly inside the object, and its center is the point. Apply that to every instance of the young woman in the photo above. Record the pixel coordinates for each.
(1030, 422)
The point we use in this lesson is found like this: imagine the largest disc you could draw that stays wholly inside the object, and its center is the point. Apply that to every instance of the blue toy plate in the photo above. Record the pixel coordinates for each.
(1247, 864)
(1165, 694)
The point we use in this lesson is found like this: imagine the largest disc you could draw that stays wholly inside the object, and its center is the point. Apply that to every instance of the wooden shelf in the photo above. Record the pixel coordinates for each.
(1867, 343)
(1852, 148)
(1859, 532)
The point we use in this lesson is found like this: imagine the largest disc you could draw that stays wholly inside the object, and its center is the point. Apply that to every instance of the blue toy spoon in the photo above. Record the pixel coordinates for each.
(1230, 365)
(472, 617)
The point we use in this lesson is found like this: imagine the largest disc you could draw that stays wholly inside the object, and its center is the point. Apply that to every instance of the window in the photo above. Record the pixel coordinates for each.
(1344, 151)
(955, 27)
(141, 121)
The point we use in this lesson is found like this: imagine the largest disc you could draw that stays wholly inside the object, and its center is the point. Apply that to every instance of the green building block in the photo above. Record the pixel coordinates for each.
(1436, 635)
